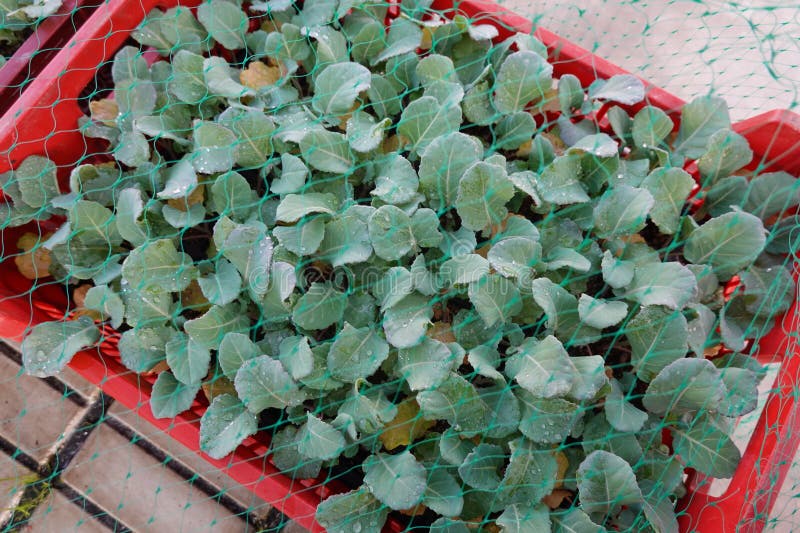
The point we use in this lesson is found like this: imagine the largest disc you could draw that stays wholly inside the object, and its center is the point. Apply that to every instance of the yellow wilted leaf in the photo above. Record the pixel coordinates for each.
(442, 332)
(406, 427)
(197, 196)
(554, 499)
(563, 465)
(34, 261)
(524, 149)
(414, 511)
(91, 313)
(221, 385)
(160, 367)
(393, 143)
(427, 38)
(258, 75)
(105, 110)
(192, 296)
(79, 294)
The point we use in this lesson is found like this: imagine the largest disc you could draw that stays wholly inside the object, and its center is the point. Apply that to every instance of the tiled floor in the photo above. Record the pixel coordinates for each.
(72, 460)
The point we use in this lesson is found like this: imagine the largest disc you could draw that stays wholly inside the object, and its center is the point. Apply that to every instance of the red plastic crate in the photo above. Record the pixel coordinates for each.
(33, 54)
(44, 121)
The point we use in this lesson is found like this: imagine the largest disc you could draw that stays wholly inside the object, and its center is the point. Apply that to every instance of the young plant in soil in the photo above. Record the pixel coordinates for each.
(482, 295)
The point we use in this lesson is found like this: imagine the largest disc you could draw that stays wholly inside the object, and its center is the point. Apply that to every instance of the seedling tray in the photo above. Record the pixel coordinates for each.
(44, 121)
(41, 46)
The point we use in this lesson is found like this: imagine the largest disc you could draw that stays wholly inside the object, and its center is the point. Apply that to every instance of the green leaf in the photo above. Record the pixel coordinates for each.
(130, 207)
(523, 77)
(188, 82)
(93, 223)
(293, 175)
(143, 348)
(521, 518)
(700, 119)
(457, 402)
(286, 457)
(546, 421)
(650, 127)
(741, 391)
(289, 43)
(338, 86)
(685, 386)
(303, 238)
(481, 467)
(463, 269)
(398, 481)
(213, 146)
(170, 397)
(104, 299)
(249, 248)
(617, 272)
(181, 181)
(620, 413)
(321, 306)
(768, 291)
(187, 359)
(707, 448)
(254, 132)
(529, 476)
(37, 181)
(570, 93)
(296, 356)
(483, 193)
(356, 353)
(364, 132)
(383, 97)
(390, 232)
(728, 193)
(727, 152)
(561, 309)
(560, 182)
(209, 329)
(590, 376)
(514, 256)
(770, 193)
(317, 439)
(622, 210)
(51, 345)
(220, 79)
(133, 149)
(728, 243)
(225, 424)
(575, 521)
(599, 145)
(406, 322)
(600, 313)
(443, 494)
(496, 299)
(396, 181)
(669, 284)
(623, 88)
(606, 483)
(515, 130)
(442, 165)
(404, 36)
(347, 237)
(370, 412)
(435, 67)
(225, 22)
(357, 510)
(541, 367)
(234, 350)
(223, 285)
(262, 383)
(327, 151)
(426, 365)
(425, 119)
(670, 189)
(295, 206)
(658, 336)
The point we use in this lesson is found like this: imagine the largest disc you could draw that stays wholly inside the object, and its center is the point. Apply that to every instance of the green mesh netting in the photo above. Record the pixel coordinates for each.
(457, 273)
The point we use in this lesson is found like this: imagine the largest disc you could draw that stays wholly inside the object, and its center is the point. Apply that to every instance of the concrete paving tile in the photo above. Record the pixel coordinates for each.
(33, 416)
(141, 492)
(13, 479)
(293, 527)
(58, 513)
(190, 459)
(68, 376)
